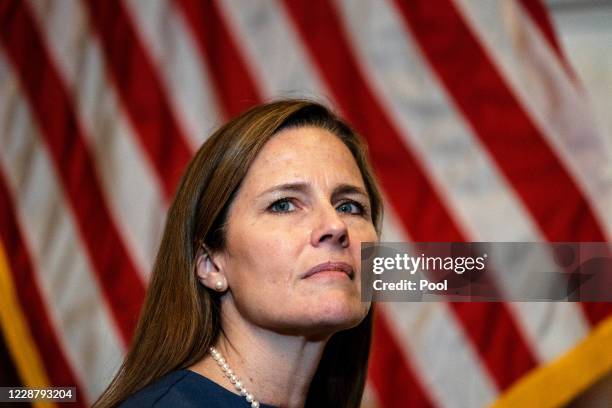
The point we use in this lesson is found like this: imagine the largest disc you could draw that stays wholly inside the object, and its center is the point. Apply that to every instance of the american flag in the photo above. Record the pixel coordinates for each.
(479, 130)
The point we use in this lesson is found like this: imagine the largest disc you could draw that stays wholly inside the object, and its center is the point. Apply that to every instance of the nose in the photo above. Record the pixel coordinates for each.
(329, 229)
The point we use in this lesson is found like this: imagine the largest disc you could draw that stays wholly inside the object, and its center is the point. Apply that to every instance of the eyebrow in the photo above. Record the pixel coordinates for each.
(339, 190)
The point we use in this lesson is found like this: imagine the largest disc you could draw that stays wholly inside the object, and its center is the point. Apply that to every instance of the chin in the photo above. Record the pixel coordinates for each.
(321, 316)
(335, 316)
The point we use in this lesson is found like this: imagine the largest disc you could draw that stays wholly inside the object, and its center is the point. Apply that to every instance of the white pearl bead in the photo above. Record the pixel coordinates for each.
(232, 377)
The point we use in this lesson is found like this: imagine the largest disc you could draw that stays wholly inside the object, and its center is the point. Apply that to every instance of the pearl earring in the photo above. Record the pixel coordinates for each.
(219, 285)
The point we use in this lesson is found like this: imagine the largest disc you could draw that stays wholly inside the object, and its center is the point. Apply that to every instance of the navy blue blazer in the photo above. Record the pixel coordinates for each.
(185, 389)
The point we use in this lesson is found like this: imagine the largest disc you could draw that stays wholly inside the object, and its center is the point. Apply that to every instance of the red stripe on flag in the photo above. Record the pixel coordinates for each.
(62, 133)
(407, 186)
(397, 385)
(477, 319)
(490, 327)
(479, 91)
(30, 300)
(143, 97)
(414, 199)
(235, 88)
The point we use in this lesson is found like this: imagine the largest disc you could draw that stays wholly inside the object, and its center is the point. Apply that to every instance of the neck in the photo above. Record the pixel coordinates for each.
(276, 368)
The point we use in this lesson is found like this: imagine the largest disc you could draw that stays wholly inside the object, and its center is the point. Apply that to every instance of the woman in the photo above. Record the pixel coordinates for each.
(255, 296)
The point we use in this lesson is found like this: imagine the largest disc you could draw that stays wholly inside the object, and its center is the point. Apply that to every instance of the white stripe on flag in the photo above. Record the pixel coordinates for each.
(275, 55)
(75, 303)
(552, 328)
(392, 230)
(128, 179)
(182, 72)
(455, 159)
(441, 355)
(553, 101)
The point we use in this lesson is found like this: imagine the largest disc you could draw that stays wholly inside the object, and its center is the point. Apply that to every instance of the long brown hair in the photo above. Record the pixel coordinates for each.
(180, 318)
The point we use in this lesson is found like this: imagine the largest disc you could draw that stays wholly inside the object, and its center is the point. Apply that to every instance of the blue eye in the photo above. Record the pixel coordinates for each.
(351, 207)
(282, 206)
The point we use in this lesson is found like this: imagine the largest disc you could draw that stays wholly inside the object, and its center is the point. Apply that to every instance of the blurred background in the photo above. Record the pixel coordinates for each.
(487, 120)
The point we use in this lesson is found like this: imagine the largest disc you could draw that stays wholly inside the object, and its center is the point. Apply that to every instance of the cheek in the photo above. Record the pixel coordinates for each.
(260, 259)
(363, 232)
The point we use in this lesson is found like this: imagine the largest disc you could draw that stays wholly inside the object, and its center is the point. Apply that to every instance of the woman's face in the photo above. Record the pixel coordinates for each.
(292, 258)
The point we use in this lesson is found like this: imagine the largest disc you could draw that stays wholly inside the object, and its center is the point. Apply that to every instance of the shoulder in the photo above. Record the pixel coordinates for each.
(183, 389)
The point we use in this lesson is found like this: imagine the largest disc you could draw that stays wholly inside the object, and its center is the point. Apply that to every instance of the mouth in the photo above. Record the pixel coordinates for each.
(331, 267)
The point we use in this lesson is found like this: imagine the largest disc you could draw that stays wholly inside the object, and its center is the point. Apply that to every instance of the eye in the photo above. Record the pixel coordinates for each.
(351, 207)
(283, 205)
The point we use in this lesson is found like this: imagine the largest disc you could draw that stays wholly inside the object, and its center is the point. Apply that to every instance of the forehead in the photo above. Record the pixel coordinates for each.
(307, 154)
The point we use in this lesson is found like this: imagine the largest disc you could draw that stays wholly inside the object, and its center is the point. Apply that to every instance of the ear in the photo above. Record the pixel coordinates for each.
(209, 273)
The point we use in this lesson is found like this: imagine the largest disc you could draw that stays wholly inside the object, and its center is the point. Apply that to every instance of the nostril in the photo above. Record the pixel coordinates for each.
(326, 237)
(343, 239)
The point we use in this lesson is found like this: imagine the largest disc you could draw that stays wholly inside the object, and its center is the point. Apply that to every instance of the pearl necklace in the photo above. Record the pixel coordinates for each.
(227, 372)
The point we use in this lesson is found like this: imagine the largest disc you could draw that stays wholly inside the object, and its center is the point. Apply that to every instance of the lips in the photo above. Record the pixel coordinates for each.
(331, 266)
